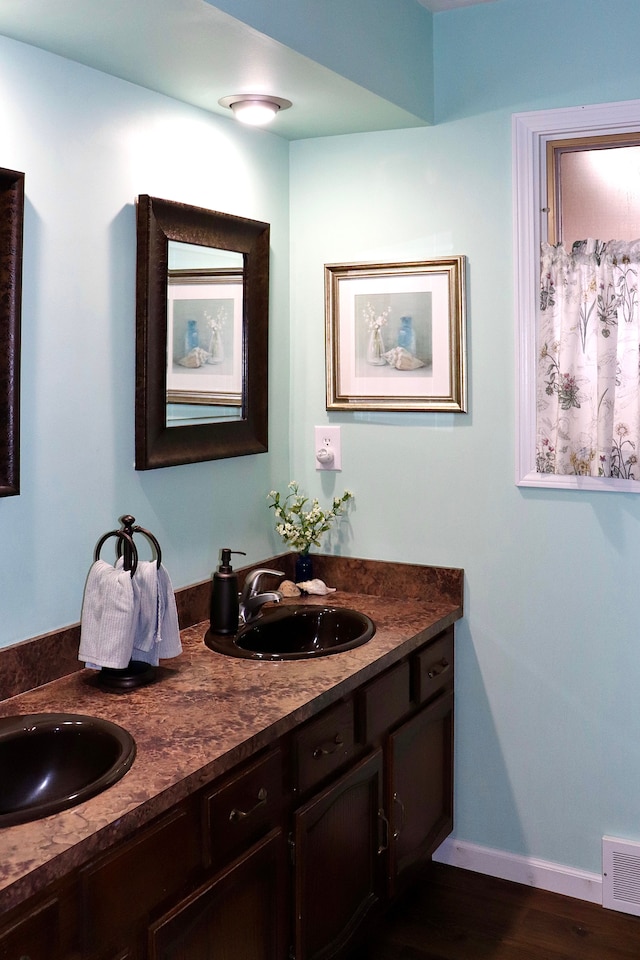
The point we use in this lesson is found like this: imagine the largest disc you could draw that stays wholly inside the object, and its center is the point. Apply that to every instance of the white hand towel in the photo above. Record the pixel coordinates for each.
(157, 632)
(169, 644)
(145, 591)
(109, 617)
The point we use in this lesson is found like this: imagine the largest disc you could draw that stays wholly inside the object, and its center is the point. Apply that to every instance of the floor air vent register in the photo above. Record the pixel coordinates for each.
(621, 875)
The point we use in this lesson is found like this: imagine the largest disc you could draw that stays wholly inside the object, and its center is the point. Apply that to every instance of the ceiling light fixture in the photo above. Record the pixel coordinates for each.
(254, 108)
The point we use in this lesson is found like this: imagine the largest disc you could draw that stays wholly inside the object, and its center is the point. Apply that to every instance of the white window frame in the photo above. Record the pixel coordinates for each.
(531, 132)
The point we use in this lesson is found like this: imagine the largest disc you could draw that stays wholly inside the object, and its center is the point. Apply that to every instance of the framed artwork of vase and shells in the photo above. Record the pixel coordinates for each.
(204, 337)
(396, 335)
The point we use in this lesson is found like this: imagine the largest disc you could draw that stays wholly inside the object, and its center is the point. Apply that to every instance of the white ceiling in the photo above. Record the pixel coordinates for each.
(166, 46)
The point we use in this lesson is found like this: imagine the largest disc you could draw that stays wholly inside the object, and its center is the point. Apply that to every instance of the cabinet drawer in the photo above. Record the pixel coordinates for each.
(120, 890)
(323, 746)
(433, 667)
(384, 702)
(243, 809)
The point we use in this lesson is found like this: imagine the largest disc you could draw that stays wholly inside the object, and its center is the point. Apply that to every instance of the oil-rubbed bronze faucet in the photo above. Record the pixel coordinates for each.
(251, 601)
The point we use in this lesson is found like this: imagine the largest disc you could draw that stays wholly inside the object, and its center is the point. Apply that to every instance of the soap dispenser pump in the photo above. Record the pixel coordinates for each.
(224, 596)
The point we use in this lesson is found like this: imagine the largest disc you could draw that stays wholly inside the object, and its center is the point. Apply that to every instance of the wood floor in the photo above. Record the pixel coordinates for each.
(460, 915)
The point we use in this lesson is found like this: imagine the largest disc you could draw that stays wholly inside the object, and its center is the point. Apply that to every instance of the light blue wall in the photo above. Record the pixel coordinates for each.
(384, 46)
(548, 714)
(89, 144)
(514, 55)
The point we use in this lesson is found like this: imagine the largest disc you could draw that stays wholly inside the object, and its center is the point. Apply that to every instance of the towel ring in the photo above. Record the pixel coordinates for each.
(128, 531)
(138, 672)
(126, 548)
(130, 552)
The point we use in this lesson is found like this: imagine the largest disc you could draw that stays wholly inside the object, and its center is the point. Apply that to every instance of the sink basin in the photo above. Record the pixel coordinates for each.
(296, 632)
(52, 761)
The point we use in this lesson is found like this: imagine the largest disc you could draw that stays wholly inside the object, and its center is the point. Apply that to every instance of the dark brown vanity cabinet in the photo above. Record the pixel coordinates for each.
(284, 858)
(379, 768)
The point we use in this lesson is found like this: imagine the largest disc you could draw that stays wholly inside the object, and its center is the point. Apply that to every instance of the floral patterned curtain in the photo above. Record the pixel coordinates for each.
(588, 379)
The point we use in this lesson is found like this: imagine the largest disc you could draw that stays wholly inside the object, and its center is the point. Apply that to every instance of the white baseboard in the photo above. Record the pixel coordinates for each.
(510, 866)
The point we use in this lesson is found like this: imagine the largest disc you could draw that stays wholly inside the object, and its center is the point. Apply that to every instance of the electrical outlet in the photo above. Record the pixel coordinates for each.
(328, 449)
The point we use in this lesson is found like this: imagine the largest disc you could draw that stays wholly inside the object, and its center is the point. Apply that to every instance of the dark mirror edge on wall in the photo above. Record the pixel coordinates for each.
(11, 231)
(158, 445)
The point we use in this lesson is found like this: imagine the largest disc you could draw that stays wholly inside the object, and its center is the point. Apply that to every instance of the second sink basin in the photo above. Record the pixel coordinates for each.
(297, 632)
(52, 761)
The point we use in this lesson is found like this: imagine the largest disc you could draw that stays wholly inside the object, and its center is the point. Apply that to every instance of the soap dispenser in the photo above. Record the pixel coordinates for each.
(224, 596)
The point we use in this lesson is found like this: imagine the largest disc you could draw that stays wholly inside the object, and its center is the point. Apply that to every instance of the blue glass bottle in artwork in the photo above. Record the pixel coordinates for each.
(191, 336)
(407, 335)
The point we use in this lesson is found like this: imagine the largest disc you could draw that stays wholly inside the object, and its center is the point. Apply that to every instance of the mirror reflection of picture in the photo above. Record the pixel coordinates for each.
(393, 334)
(204, 343)
(203, 336)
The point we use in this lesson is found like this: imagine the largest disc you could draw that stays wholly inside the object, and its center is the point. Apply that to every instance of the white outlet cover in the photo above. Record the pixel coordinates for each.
(328, 438)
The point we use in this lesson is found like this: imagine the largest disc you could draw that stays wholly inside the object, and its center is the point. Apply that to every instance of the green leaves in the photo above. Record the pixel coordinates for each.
(299, 527)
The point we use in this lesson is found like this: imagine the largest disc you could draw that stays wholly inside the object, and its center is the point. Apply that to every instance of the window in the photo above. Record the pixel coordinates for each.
(553, 154)
(593, 188)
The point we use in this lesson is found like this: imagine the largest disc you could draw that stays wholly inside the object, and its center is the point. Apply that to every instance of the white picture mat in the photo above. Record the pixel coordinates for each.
(206, 379)
(385, 381)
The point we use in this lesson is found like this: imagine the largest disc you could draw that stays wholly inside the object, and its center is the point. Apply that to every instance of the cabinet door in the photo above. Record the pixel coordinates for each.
(338, 866)
(238, 915)
(35, 937)
(420, 788)
(124, 888)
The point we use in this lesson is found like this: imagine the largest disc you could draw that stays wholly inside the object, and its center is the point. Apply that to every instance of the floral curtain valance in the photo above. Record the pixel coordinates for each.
(588, 337)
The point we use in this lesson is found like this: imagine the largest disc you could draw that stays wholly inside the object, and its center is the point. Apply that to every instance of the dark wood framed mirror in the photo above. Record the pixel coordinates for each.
(11, 230)
(202, 318)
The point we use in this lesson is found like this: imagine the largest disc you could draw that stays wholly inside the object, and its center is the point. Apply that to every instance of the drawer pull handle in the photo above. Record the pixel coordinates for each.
(400, 827)
(385, 824)
(438, 668)
(333, 745)
(243, 814)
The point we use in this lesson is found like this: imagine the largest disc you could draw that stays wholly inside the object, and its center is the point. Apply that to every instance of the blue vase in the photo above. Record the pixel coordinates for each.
(304, 568)
(407, 335)
(191, 340)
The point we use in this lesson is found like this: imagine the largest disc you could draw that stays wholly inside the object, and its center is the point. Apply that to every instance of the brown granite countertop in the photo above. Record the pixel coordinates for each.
(206, 713)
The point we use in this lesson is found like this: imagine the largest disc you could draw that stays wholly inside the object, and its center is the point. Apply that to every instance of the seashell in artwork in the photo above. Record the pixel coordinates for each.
(316, 587)
(195, 358)
(402, 359)
(288, 589)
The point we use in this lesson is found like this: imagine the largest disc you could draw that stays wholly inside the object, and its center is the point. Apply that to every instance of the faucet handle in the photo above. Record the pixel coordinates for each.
(252, 578)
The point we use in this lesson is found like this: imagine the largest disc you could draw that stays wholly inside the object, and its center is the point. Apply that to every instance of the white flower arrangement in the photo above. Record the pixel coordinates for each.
(375, 320)
(216, 323)
(301, 528)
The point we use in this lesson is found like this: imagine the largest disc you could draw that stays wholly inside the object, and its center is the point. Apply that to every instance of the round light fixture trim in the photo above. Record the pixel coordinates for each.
(255, 108)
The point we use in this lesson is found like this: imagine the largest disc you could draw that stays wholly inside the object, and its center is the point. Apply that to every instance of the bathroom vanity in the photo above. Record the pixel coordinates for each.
(273, 809)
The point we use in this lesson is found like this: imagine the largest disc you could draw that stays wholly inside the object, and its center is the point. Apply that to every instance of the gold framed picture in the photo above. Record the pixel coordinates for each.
(396, 335)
